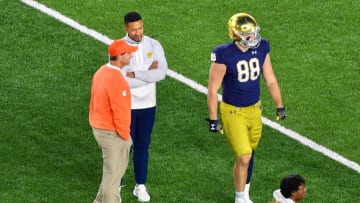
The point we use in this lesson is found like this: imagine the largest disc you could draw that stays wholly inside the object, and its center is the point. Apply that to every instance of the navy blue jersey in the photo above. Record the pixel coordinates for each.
(241, 83)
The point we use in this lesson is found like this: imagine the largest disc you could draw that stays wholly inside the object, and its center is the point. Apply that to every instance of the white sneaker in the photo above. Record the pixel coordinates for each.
(141, 193)
(245, 200)
(248, 200)
(240, 200)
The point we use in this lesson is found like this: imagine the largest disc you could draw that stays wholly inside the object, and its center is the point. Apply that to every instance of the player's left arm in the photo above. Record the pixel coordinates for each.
(273, 87)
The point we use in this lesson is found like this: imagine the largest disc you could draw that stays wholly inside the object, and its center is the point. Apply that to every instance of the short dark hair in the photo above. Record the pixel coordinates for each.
(290, 183)
(131, 17)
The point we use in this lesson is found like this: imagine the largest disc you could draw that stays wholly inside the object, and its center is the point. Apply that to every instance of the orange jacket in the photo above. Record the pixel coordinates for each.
(110, 103)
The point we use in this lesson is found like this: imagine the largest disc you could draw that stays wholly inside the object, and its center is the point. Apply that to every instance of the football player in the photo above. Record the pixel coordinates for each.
(237, 67)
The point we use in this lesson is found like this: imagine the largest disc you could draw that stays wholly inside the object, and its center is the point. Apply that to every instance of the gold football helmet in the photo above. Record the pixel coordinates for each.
(244, 29)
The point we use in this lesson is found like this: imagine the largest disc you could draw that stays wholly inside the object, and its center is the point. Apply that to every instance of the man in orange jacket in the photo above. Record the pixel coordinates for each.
(110, 116)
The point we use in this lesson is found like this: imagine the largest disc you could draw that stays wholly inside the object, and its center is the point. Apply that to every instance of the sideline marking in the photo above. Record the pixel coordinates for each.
(198, 87)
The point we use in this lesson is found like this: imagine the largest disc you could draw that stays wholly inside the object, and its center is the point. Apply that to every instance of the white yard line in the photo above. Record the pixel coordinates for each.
(198, 87)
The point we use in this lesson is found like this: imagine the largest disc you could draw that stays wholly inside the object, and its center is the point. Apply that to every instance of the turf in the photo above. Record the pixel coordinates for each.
(48, 153)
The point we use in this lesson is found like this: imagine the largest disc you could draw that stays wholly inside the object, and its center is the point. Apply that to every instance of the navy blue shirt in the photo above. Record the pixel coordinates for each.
(241, 83)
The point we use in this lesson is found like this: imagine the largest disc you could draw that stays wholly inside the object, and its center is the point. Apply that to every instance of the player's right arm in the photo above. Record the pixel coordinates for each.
(216, 75)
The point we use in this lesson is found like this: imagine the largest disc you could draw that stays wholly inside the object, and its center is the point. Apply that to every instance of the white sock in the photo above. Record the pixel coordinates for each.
(247, 189)
(239, 195)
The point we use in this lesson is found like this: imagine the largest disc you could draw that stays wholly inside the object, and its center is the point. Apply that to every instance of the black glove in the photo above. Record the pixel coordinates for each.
(215, 126)
(280, 114)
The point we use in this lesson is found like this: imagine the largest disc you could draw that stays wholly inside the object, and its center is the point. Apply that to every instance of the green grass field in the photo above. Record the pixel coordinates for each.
(48, 153)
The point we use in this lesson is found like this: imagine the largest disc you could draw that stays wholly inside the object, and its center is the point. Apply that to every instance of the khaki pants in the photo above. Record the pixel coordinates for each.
(115, 153)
